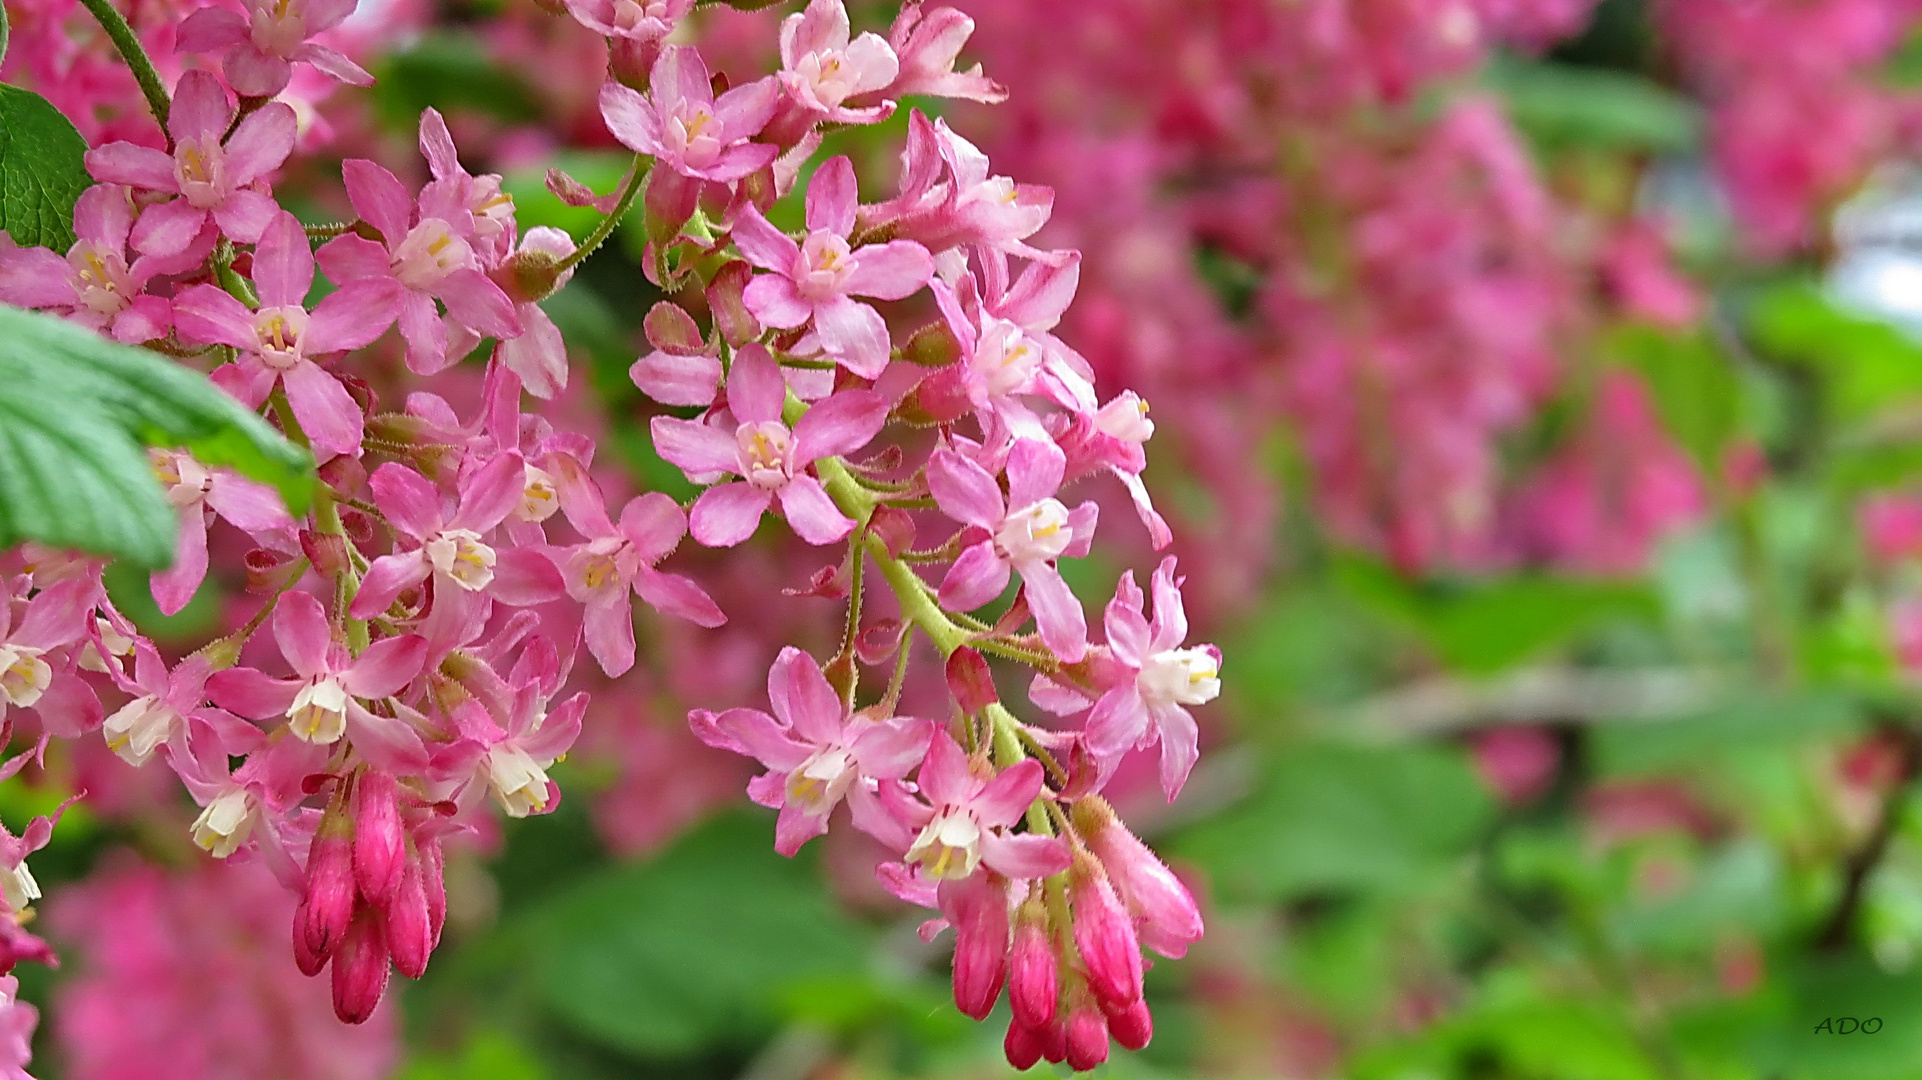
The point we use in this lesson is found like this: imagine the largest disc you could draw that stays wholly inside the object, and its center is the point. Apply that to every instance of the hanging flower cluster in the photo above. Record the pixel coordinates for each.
(415, 633)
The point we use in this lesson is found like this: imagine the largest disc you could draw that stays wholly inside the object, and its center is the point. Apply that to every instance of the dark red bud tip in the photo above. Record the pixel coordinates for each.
(1022, 1046)
(1032, 986)
(1133, 1026)
(360, 971)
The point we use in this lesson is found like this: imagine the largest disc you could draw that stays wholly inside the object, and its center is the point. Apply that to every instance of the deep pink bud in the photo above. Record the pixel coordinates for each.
(1105, 937)
(380, 845)
(1032, 988)
(980, 916)
(1022, 1046)
(322, 918)
(410, 937)
(1133, 1026)
(1087, 1037)
(970, 681)
(1170, 918)
(360, 971)
(724, 301)
(1054, 1041)
(305, 958)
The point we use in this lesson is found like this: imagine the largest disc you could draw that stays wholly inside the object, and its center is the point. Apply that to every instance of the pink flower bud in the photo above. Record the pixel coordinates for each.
(410, 935)
(433, 882)
(1170, 920)
(980, 916)
(360, 971)
(1105, 937)
(1133, 1026)
(1022, 1046)
(380, 846)
(724, 300)
(305, 958)
(1087, 1037)
(970, 681)
(329, 904)
(1032, 988)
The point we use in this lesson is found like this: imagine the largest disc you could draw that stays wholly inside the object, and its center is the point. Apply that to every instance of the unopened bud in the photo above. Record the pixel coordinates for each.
(1133, 1026)
(433, 881)
(970, 680)
(1105, 937)
(671, 329)
(980, 945)
(380, 843)
(360, 971)
(934, 345)
(1087, 1036)
(1022, 1046)
(329, 903)
(537, 267)
(1170, 920)
(724, 300)
(410, 937)
(1032, 986)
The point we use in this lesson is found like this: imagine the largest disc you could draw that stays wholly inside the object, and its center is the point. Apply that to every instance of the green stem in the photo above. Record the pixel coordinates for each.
(606, 227)
(123, 38)
(236, 286)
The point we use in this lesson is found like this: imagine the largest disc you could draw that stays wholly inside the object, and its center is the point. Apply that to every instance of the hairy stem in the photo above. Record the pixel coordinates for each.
(605, 229)
(144, 73)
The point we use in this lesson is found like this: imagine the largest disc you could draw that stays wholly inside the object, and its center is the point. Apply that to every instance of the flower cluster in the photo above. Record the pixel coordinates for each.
(415, 633)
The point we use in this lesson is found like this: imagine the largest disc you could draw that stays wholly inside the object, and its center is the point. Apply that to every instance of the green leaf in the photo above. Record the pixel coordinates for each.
(488, 1055)
(1866, 364)
(1344, 817)
(695, 948)
(451, 71)
(1561, 105)
(42, 169)
(1695, 390)
(76, 413)
(1482, 627)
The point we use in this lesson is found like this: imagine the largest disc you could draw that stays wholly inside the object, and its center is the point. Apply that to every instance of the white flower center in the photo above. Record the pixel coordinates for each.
(18, 886)
(223, 826)
(1125, 418)
(319, 712)
(139, 727)
(629, 15)
(1005, 359)
(1035, 533)
(280, 28)
(829, 75)
(517, 781)
(540, 496)
(1180, 677)
(949, 847)
(459, 556)
(822, 780)
(23, 675)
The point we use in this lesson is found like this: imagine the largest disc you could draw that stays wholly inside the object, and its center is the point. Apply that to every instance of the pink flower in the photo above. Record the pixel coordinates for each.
(538, 355)
(215, 181)
(475, 205)
(927, 43)
(1891, 527)
(821, 68)
(683, 369)
(964, 823)
(194, 489)
(949, 199)
(328, 684)
(1167, 919)
(58, 616)
(1027, 533)
(1157, 679)
(685, 127)
(235, 800)
(617, 562)
(514, 759)
(817, 279)
(431, 259)
(816, 751)
(453, 551)
(94, 285)
(17, 886)
(17, 1021)
(263, 45)
(163, 703)
(278, 342)
(639, 20)
(771, 457)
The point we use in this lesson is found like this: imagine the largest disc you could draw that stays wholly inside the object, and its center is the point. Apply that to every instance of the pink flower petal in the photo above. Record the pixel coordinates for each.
(167, 228)
(977, 577)
(773, 300)
(305, 638)
(379, 198)
(840, 425)
(1034, 472)
(353, 316)
(811, 513)
(944, 776)
(728, 513)
(201, 108)
(764, 245)
(283, 263)
(1057, 611)
(327, 412)
(756, 390)
(853, 334)
(665, 377)
(696, 447)
(654, 524)
(1008, 795)
(261, 142)
(136, 166)
(386, 667)
(1024, 855)
(892, 748)
(174, 587)
(964, 490)
(251, 693)
(676, 595)
(244, 215)
(385, 580)
(831, 199)
(609, 629)
(410, 503)
(208, 315)
(890, 271)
